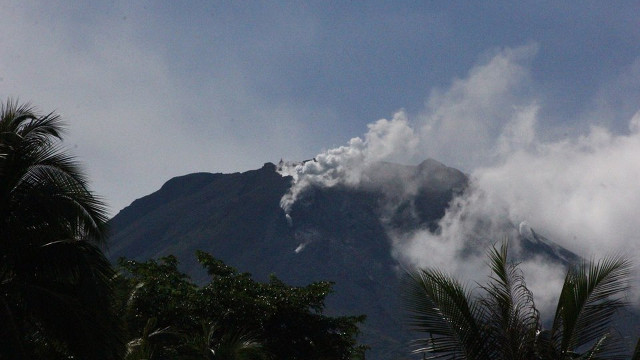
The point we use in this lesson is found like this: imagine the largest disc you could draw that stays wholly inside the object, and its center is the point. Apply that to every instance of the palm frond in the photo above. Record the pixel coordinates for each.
(511, 313)
(53, 274)
(151, 340)
(592, 293)
(608, 347)
(504, 323)
(52, 181)
(440, 306)
(72, 278)
(238, 345)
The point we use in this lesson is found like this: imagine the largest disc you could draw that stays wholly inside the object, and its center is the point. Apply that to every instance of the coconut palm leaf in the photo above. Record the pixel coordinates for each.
(441, 307)
(511, 316)
(237, 345)
(146, 346)
(503, 323)
(215, 343)
(54, 280)
(592, 293)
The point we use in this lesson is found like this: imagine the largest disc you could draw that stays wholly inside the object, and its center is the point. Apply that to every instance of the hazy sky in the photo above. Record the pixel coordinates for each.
(152, 90)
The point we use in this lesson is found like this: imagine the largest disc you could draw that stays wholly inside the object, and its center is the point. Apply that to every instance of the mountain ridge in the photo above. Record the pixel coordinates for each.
(338, 234)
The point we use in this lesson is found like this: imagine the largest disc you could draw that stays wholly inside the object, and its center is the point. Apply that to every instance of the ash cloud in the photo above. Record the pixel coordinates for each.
(386, 140)
(582, 192)
(457, 128)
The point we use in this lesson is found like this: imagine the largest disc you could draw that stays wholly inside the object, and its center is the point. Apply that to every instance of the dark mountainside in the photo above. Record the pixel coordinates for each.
(337, 234)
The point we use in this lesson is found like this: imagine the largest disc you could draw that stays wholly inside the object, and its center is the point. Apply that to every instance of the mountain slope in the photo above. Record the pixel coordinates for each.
(337, 234)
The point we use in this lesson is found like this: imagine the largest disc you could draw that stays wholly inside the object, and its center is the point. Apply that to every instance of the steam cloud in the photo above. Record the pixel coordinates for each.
(582, 192)
(347, 165)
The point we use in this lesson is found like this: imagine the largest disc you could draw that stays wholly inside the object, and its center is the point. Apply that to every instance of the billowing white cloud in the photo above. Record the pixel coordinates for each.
(147, 99)
(581, 191)
(386, 140)
(460, 125)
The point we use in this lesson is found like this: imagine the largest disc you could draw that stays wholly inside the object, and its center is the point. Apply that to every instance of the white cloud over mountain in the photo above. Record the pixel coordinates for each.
(579, 191)
(546, 130)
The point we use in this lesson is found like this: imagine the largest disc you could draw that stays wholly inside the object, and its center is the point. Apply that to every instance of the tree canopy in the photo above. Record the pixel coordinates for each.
(287, 322)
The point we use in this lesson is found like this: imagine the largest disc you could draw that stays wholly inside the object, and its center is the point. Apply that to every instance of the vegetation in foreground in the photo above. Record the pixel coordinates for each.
(503, 322)
(168, 316)
(61, 299)
(55, 283)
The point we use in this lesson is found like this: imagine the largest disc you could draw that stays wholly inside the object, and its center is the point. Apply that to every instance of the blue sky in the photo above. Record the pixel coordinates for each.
(152, 90)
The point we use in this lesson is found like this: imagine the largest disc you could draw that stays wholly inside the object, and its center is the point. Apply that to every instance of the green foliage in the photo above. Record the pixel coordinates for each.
(232, 314)
(215, 343)
(503, 322)
(55, 283)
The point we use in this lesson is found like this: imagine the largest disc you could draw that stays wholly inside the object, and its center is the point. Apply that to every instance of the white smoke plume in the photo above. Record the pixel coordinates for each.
(456, 128)
(582, 192)
(386, 140)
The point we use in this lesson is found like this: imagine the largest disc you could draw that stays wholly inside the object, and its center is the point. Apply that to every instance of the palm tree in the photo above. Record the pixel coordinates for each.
(55, 283)
(150, 344)
(215, 343)
(503, 322)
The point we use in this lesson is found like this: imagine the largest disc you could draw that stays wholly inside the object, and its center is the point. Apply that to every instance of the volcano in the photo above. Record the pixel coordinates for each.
(336, 233)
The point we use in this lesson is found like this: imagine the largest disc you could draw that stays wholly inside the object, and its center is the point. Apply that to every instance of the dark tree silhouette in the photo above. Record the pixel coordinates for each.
(55, 283)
